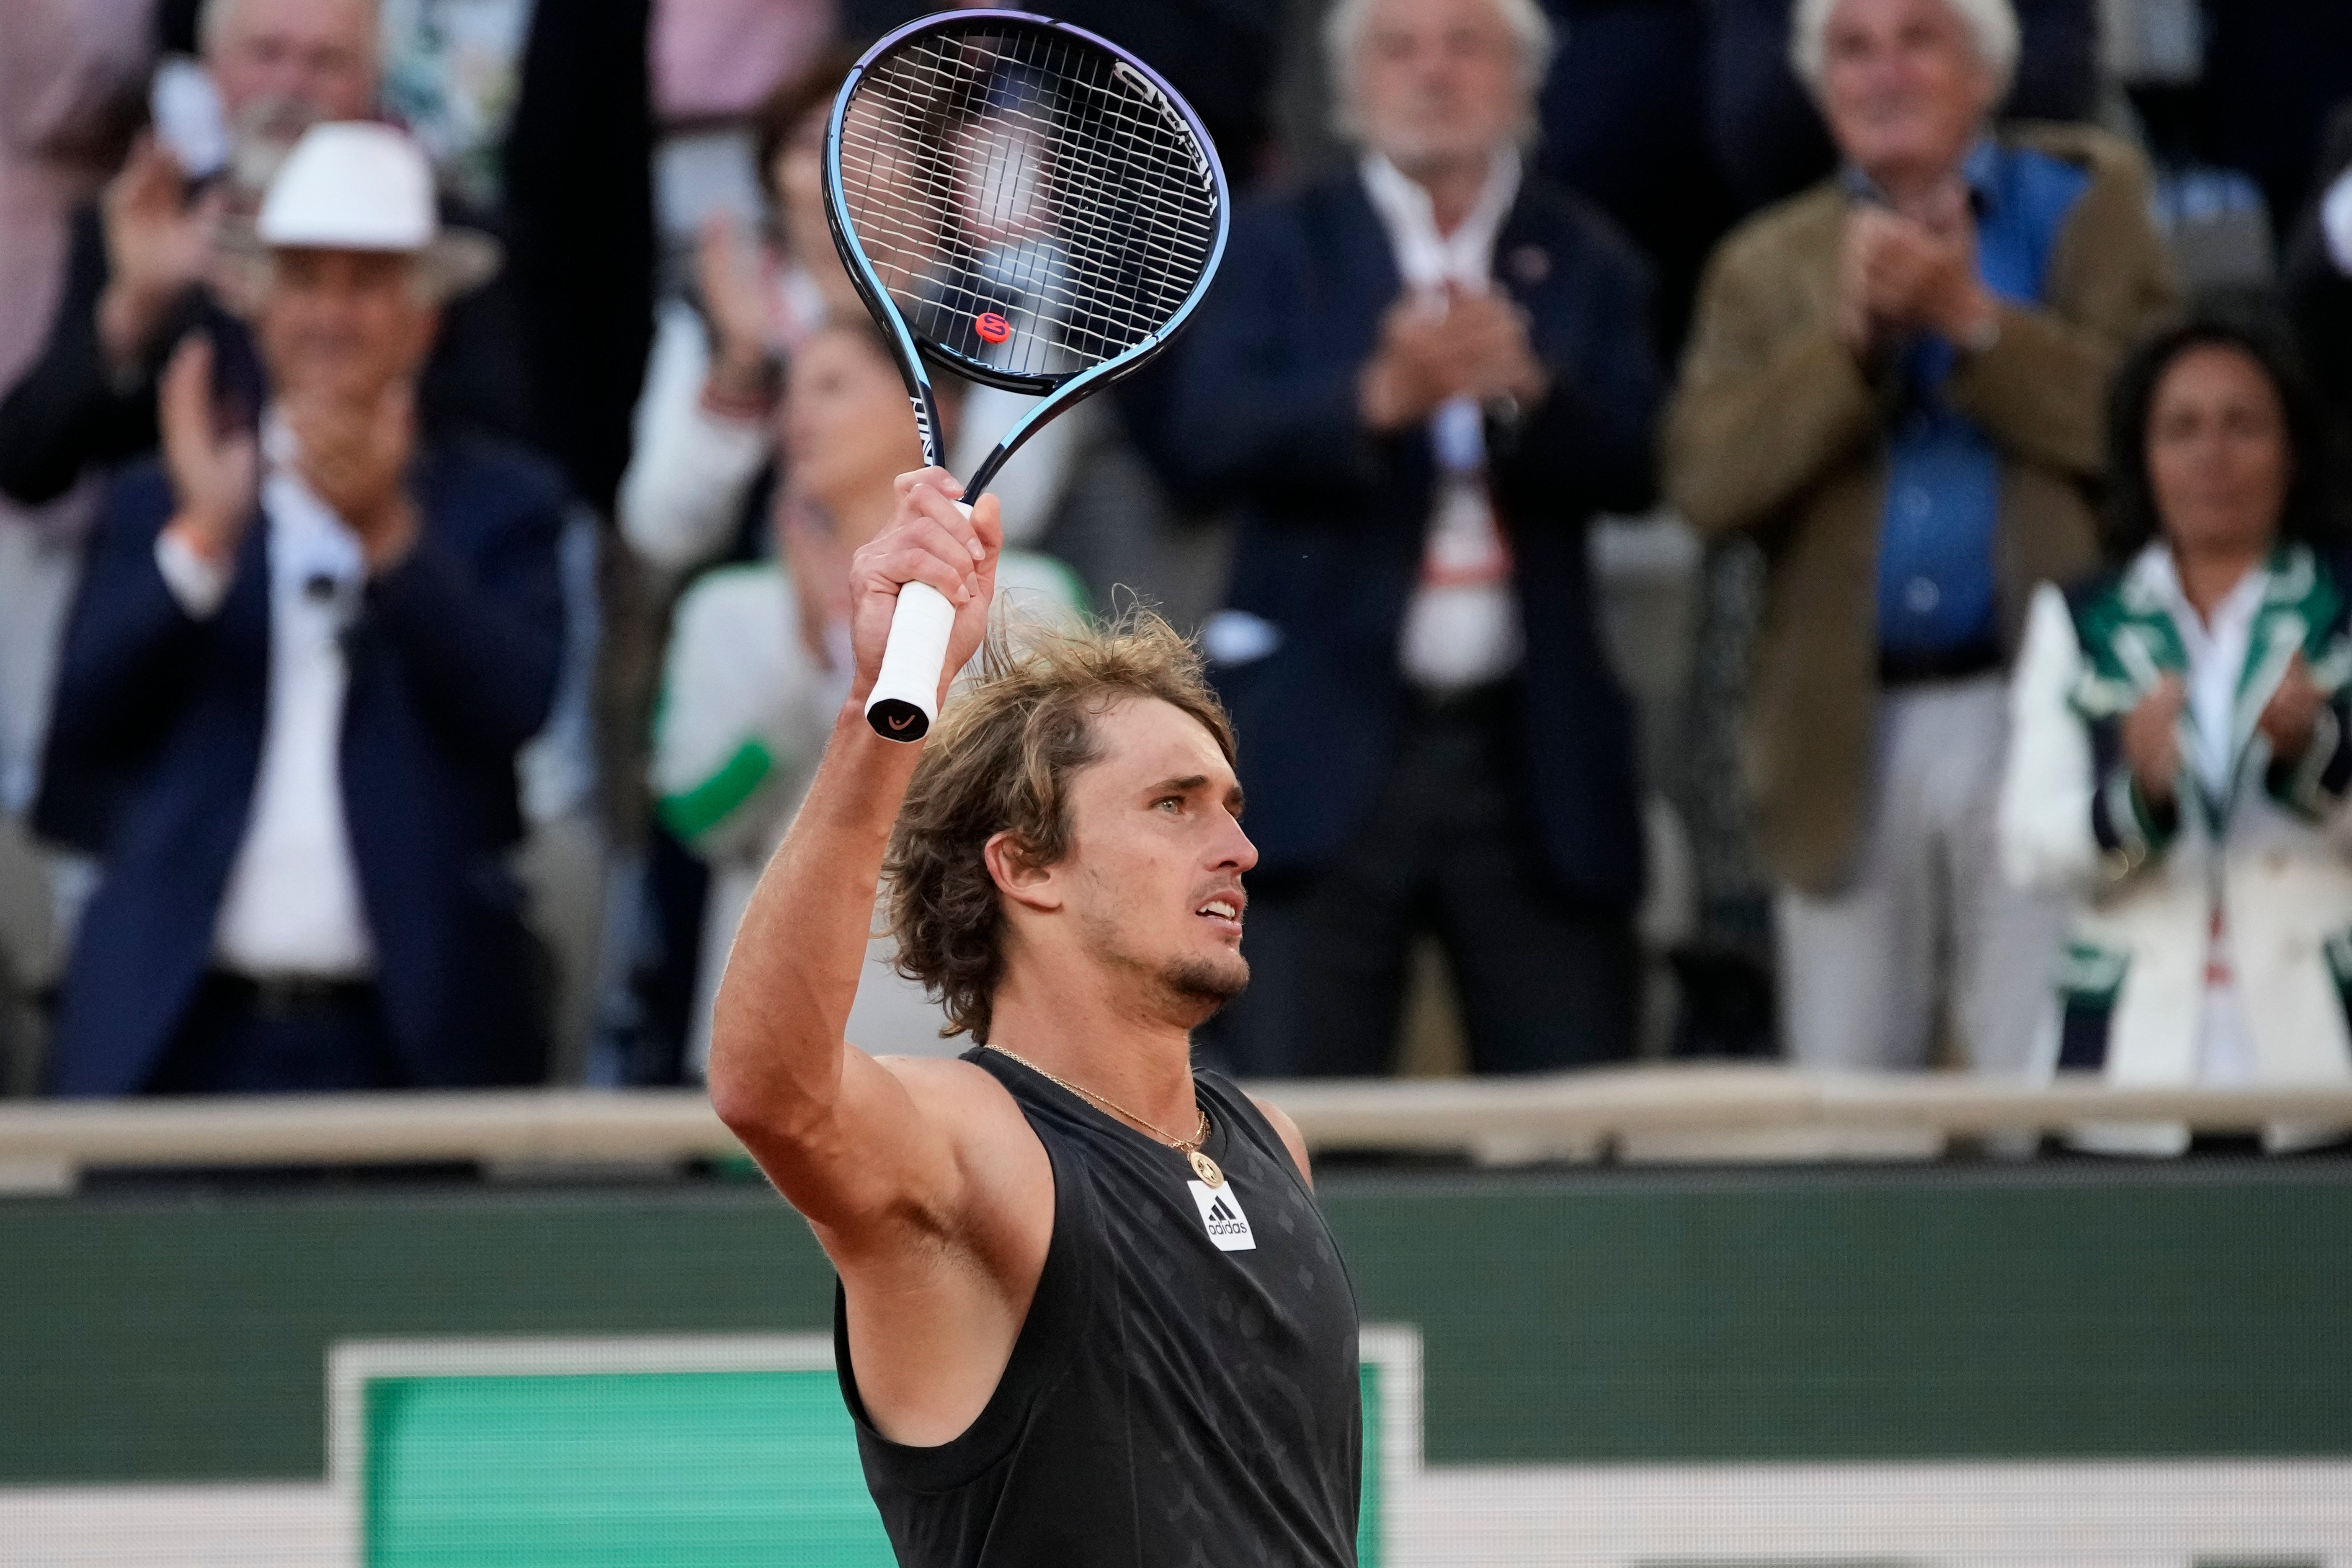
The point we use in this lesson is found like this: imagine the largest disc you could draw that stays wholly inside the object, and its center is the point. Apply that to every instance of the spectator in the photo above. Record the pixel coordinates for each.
(1420, 378)
(2184, 742)
(1767, 133)
(704, 458)
(1895, 385)
(307, 728)
(137, 270)
(760, 666)
(703, 430)
(1221, 56)
(68, 70)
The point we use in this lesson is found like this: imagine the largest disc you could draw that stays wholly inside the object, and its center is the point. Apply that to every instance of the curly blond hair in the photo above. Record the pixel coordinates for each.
(1001, 761)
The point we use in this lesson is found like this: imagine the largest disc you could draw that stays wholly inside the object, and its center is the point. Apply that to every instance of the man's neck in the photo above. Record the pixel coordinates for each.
(1925, 191)
(1116, 1046)
(1453, 185)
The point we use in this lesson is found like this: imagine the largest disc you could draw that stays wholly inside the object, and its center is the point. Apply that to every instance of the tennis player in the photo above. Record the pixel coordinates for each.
(1089, 1311)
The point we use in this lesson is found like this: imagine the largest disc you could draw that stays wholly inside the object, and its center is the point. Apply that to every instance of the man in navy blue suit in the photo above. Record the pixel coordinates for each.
(1419, 380)
(294, 684)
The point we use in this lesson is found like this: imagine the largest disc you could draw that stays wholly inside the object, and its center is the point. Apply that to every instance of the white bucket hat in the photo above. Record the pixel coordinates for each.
(360, 185)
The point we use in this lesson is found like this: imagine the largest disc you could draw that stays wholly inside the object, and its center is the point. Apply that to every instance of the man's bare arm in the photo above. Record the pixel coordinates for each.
(1288, 1131)
(850, 1141)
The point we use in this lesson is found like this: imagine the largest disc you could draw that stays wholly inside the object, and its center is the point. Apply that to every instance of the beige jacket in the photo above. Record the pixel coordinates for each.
(1776, 430)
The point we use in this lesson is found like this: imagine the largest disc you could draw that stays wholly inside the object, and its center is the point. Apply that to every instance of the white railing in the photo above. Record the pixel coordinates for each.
(1644, 1114)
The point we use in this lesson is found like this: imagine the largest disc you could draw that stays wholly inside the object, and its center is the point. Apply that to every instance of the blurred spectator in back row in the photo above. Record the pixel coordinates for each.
(294, 686)
(759, 665)
(704, 432)
(69, 71)
(140, 273)
(1896, 382)
(2184, 747)
(1421, 378)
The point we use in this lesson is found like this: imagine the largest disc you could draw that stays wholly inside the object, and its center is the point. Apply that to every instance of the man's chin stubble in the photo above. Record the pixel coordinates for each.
(1207, 985)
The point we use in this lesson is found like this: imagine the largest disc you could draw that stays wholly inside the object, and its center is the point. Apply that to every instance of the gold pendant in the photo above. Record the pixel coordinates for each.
(1205, 1168)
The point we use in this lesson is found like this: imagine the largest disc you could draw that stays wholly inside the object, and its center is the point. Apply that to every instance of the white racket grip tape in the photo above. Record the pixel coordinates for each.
(905, 701)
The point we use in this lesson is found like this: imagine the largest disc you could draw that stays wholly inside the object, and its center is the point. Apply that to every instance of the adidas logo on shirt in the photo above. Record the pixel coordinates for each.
(1221, 1211)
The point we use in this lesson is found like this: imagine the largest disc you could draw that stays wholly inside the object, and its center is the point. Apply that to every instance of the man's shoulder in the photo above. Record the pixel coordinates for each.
(980, 1112)
(1806, 224)
(1570, 225)
(2105, 157)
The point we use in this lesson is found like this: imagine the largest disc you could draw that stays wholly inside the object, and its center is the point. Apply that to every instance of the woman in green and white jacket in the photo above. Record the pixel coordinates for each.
(2182, 743)
(758, 660)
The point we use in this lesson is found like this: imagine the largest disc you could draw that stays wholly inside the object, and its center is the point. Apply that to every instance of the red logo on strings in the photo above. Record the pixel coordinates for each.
(991, 326)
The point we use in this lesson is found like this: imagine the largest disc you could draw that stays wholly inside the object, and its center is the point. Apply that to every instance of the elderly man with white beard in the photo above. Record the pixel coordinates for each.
(1896, 384)
(1419, 380)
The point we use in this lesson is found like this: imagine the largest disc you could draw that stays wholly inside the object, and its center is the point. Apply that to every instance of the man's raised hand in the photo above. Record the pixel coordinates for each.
(215, 478)
(930, 541)
(157, 244)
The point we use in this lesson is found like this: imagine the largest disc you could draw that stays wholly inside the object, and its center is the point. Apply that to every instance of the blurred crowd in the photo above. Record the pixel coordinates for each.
(1732, 527)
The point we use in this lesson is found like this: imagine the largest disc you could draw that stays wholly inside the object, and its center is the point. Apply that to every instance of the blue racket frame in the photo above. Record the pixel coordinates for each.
(1056, 394)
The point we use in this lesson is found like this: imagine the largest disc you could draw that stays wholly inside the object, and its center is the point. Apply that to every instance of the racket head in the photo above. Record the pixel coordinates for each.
(1021, 202)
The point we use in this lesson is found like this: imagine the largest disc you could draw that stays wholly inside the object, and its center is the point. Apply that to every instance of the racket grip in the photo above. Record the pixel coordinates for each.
(905, 701)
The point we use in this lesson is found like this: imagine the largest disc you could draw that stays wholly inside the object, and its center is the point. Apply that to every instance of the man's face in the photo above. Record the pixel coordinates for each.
(343, 324)
(283, 66)
(1153, 878)
(1902, 86)
(1437, 82)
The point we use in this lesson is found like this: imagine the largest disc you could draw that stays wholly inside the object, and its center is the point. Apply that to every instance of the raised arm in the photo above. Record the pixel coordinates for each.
(869, 1151)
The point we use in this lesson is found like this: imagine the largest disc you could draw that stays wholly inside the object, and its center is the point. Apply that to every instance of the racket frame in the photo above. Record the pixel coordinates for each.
(1056, 394)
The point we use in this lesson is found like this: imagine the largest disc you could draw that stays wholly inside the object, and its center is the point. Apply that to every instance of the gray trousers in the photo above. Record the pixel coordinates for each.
(1927, 921)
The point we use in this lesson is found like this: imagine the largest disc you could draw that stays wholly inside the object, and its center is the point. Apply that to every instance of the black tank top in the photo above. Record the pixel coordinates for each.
(1175, 1398)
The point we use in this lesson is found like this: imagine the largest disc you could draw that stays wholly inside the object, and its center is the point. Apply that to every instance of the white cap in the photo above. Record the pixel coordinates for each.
(351, 185)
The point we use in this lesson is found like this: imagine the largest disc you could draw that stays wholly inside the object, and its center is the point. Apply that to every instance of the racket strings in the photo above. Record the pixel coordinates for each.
(1084, 161)
(1020, 174)
(1085, 169)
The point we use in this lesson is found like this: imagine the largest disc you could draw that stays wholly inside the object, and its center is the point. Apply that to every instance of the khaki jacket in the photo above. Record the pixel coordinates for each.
(1777, 430)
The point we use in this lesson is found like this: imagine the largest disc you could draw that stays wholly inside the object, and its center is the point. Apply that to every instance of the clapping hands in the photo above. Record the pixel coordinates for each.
(215, 474)
(1899, 273)
(1436, 347)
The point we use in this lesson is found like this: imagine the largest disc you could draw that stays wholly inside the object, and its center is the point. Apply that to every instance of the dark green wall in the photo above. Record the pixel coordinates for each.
(2074, 1310)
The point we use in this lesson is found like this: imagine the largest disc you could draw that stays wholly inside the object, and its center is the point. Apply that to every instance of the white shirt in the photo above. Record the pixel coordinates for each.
(1462, 628)
(292, 905)
(2217, 648)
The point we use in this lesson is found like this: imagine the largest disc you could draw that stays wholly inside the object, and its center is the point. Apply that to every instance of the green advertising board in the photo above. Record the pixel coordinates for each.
(691, 1452)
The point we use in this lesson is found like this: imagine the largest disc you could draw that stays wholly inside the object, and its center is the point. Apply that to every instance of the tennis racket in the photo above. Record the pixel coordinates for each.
(1030, 206)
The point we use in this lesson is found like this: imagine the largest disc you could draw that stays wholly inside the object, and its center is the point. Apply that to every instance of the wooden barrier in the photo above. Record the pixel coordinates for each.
(1641, 1113)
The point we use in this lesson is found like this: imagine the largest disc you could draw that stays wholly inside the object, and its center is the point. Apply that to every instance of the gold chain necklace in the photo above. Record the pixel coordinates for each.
(1202, 1166)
